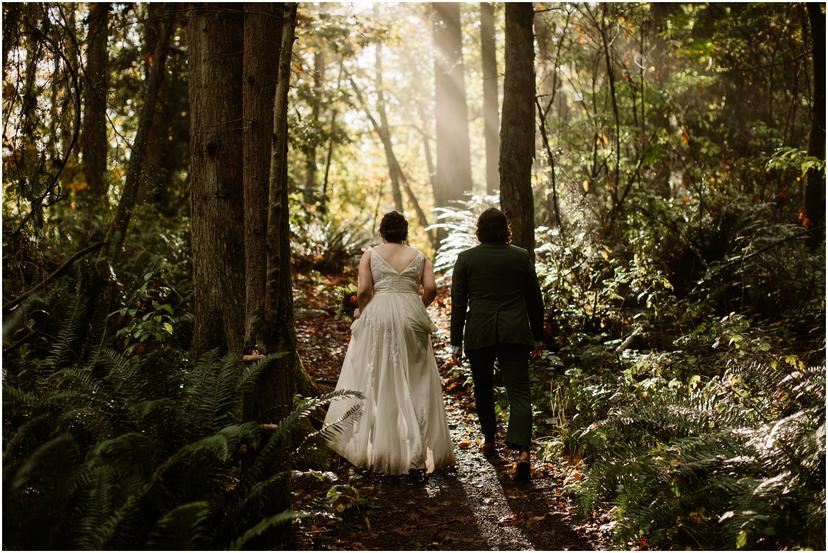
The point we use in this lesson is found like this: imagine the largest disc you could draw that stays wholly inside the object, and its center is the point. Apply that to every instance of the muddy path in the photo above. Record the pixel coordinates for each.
(472, 506)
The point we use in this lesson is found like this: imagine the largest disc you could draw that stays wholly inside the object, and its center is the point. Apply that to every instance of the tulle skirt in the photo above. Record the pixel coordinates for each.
(402, 424)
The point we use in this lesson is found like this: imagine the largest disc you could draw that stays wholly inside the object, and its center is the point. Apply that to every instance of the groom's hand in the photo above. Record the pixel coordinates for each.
(457, 353)
(536, 351)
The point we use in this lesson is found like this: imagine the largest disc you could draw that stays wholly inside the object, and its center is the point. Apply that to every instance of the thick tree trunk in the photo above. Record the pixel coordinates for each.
(517, 128)
(490, 116)
(815, 186)
(452, 119)
(215, 38)
(263, 38)
(94, 143)
(316, 110)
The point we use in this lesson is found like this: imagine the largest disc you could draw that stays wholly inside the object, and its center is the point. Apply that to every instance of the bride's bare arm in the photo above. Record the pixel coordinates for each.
(429, 286)
(365, 282)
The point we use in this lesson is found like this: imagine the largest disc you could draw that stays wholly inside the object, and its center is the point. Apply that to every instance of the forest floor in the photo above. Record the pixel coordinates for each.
(473, 506)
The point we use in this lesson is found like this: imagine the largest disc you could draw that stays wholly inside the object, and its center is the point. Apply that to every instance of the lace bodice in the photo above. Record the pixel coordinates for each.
(387, 279)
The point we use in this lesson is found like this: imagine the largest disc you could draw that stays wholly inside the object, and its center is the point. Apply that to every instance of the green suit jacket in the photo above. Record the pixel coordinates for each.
(497, 285)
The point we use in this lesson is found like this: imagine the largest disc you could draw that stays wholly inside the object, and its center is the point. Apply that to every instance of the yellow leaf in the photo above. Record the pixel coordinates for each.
(585, 185)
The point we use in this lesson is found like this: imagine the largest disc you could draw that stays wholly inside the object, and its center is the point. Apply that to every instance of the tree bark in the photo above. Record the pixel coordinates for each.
(277, 333)
(11, 31)
(815, 186)
(215, 35)
(452, 119)
(263, 38)
(660, 115)
(490, 115)
(94, 143)
(517, 129)
(316, 110)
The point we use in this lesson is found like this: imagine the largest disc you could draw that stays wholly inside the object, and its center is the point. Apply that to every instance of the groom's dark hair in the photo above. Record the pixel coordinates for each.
(393, 227)
(492, 226)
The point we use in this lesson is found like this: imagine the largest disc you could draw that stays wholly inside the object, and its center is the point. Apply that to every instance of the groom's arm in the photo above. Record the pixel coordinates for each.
(534, 302)
(459, 300)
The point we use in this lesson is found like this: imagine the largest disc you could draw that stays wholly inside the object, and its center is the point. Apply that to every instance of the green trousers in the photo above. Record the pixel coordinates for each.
(513, 361)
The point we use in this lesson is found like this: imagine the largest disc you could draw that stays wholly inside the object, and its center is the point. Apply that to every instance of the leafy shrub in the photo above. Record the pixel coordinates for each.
(328, 245)
(738, 462)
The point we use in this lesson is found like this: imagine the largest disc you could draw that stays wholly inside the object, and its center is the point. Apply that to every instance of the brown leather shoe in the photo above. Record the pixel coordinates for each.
(489, 449)
(523, 468)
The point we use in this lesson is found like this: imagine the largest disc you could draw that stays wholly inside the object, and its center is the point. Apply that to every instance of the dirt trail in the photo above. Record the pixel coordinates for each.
(474, 505)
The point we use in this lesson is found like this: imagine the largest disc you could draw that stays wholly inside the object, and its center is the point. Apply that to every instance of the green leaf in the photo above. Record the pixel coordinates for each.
(168, 327)
(282, 517)
(741, 539)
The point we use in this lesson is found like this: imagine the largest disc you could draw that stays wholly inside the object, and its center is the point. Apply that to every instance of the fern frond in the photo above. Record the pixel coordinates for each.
(221, 446)
(331, 430)
(47, 462)
(181, 527)
(253, 371)
(20, 397)
(264, 525)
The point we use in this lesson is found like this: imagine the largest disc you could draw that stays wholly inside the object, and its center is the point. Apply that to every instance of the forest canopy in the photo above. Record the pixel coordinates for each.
(187, 189)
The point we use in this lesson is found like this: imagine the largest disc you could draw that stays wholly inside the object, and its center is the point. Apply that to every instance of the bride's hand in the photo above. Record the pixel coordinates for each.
(356, 313)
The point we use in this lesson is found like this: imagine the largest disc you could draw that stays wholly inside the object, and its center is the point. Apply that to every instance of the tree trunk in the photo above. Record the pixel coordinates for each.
(94, 143)
(277, 332)
(316, 109)
(68, 112)
(660, 115)
(490, 116)
(215, 35)
(331, 135)
(399, 181)
(517, 129)
(117, 230)
(815, 186)
(96, 287)
(263, 38)
(156, 145)
(452, 119)
(11, 31)
(384, 130)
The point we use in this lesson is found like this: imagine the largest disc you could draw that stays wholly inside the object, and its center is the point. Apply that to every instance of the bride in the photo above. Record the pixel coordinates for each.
(402, 425)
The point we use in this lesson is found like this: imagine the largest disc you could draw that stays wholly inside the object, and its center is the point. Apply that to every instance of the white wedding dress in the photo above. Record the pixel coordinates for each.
(402, 425)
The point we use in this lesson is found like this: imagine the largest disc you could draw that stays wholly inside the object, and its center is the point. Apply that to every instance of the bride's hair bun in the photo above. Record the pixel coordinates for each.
(393, 227)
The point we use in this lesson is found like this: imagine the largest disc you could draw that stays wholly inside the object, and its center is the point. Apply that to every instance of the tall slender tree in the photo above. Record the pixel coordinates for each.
(384, 130)
(452, 119)
(815, 186)
(94, 144)
(262, 41)
(215, 39)
(490, 116)
(517, 127)
(310, 191)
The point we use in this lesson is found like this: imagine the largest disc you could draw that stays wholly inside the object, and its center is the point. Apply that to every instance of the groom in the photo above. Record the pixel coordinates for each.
(497, 283)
